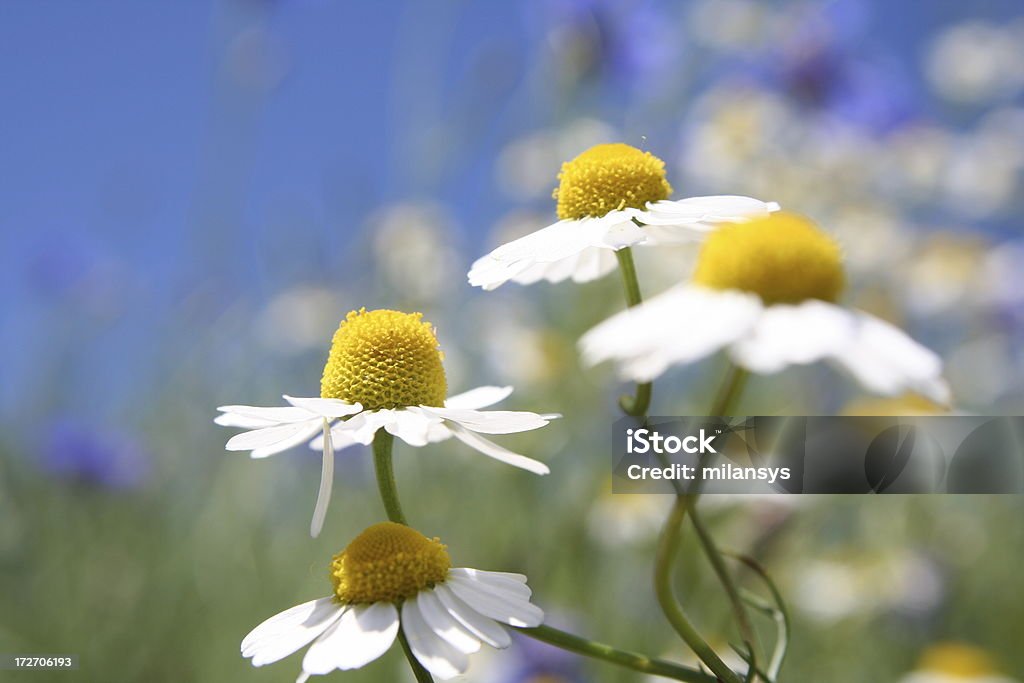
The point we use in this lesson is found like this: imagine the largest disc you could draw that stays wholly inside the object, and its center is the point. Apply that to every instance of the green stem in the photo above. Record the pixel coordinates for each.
(384, 468)
(638, 405)
(714, 556)
(629, 660)
(422, 675)
(382, 443)
(780, 615)
(668, 547)
(725, 402)
(729, 394)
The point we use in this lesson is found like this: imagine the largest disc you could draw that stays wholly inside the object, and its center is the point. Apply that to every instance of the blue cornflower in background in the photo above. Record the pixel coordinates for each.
(84, 453)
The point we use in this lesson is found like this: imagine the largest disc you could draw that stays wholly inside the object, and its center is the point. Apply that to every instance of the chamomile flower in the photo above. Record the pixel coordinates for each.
(385, 371)
(610, 197)
(392, 577)
(952, 662)
(765, 291)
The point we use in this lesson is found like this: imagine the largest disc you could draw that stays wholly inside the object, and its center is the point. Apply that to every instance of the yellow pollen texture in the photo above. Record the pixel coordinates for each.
(609, 177)
(388, 562)
(385, 359)
(784, 258)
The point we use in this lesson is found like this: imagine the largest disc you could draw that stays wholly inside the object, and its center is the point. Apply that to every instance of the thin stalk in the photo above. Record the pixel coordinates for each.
(725, 403)
(607, 653)
(422, 675)
(714, 556)
(382, 465)
(780, 615)
(638, 405)
(668, 548)
(729, 394)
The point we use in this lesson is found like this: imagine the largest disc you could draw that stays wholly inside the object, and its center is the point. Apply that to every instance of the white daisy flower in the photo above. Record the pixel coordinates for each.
(604, 196)
(391, 578)
(764, 291)
(385, 371)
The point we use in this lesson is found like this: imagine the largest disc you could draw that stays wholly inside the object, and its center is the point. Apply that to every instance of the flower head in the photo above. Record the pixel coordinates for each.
(610, 197)
(954, 662)
(385, 359)
(783, 258)
(388, 562)
(384, 370)
(609, 177)
(765, 291)
(391, 577)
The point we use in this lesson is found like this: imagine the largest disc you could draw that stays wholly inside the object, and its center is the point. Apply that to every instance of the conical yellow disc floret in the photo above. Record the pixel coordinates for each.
(386, 563)
(385, 359)
(609, 177)
(783, 258)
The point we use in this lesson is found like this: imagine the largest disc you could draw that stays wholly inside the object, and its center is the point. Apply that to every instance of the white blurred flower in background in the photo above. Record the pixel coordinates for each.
(976, 62)
(414, 249)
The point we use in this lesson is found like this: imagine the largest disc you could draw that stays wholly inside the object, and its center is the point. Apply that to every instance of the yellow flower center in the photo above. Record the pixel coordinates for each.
(609, 177)
(386, 563)
(783, 258)
(958, 660)
(385, 359)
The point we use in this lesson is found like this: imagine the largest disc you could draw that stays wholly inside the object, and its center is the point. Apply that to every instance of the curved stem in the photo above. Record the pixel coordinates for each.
(422, 675)
(638, 405)
(382, 465)
(629, 660)
(779, 613)
(668, 547)
(725, 402)
(724, 577)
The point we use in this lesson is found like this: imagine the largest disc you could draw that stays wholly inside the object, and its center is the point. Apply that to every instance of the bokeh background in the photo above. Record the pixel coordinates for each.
(194, 193)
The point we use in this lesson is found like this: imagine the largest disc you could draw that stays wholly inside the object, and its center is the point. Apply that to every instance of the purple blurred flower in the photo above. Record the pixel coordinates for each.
(78, 451)
(537, 662)
(821, 67)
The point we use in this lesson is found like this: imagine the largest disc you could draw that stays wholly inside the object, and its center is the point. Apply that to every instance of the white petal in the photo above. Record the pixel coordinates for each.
(682, 325)
(484, 628)
(589, 264)
(493, 450)
(684, 220)
(275, 415)
(284, 633)
(412, 425)
(519, 594)
(491, 421)
(312, 427)
(498, 605)
(436, 654)
(323, 496)
(325, 407)
(481, 397)
(268, 437)
(794, 335)
(339, 438)
(362, 427)
(243, 421)
(887, 361)
(594, 263)
(444, 624)
(493, 580)
(363, 634)
(556, 243)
